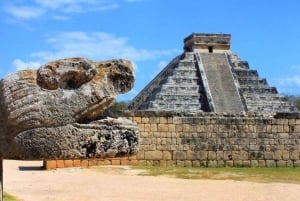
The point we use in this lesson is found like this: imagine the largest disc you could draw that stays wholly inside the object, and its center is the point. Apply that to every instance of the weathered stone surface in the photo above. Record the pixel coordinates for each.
(103, 138)
(53, 112)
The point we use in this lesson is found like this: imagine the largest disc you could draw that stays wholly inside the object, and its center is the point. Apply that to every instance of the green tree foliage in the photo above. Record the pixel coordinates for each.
(295, 100)
(118, 106)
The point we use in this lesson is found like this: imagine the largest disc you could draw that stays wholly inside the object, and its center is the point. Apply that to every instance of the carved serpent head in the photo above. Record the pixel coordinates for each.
(59, 93)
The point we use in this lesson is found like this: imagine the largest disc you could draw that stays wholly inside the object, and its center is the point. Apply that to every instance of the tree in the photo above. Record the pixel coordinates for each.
(295, 100)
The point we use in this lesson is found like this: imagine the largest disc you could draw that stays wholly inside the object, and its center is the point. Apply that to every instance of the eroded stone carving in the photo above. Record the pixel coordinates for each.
(52, 112)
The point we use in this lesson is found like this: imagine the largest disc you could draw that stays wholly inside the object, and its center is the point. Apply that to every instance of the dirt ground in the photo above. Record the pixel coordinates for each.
(25, 180)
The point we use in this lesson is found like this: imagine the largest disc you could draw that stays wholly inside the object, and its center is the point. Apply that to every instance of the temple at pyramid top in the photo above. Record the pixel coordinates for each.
(207, 43)
(208, 77)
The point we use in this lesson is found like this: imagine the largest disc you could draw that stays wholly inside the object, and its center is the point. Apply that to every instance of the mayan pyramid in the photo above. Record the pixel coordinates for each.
(208, 77)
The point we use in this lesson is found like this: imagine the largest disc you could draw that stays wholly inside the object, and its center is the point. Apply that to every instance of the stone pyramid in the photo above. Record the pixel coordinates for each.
(208, 77)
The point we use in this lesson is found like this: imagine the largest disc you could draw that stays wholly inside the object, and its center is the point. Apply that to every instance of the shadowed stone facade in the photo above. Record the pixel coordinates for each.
(208, 77)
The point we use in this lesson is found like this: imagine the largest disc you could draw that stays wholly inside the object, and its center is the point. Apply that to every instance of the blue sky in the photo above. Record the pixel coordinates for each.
(150, 33)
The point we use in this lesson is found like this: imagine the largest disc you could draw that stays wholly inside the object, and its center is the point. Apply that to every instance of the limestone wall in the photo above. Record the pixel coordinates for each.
(211, 140)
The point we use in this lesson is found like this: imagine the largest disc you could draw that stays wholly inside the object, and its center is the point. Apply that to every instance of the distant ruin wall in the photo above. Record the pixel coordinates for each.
(209, 140)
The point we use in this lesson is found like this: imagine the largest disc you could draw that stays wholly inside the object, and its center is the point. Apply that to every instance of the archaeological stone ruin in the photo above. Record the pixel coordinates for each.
(54, 112)
(206, 108)
(208, 77)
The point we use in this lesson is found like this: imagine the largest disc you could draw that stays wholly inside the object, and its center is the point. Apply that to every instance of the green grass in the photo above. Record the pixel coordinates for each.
(9, 197)
(265, 175)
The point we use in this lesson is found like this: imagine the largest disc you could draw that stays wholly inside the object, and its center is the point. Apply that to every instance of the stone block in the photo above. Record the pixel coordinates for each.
(285, 155)
(171, 128)
(237, 163)
(236, 155)
(76, 163)
(138, 120)
(178, 127)
(60, 163)
(179, 155)
(49, 164)
(162, 128)
(125, 162)
(177, 120)
(280, 163)
(246, 163)
(212, 163)
(278, 155)
(221, 163)
(115, 162)
(167, 155)
(147, 128)
(68, 163)
(227, 155)
(103, 162)
(153, 155)
(153, 127)
(162, 163)
(171, 163)
(191, 155)
(149, 163)
(196, 163)
(153, 120)
(180, 163)
(220, 155)
(270, 163)
(202, 155)
(188, 163)
(145, 120)
(170, 120)
(141, 127)
(268, 155)
(261, 163)
(186, 128)
(132, 157)
(254, 163)
(212, 155)
(297, 163)
(163, 120)
(289, 163)
(84, 163)
(294, 155)
(203, 163)
(174, 147)
(140, 155)
(134, 162)
(92, 162)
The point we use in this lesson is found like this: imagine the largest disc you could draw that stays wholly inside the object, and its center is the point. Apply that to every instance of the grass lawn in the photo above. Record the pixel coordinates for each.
(265, 175)
(9, 197)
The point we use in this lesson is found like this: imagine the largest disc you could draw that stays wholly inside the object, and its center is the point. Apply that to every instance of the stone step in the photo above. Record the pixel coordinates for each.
(221, 83)
(175, 106)
(246, 73)
(258, 90)
(252, 81)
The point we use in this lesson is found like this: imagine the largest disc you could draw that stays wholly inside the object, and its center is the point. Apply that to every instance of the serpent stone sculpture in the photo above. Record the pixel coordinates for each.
(53, 112)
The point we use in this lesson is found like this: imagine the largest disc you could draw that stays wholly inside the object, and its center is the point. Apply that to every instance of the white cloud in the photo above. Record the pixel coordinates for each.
(133, 1)
(94, 45)
(24, 12)
(57, 9)
(290, 84)
(21, 65)
(290, 81)
(60, 17)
